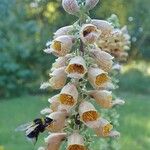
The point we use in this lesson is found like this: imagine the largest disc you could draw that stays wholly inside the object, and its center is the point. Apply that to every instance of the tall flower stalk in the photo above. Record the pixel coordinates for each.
(88, 54)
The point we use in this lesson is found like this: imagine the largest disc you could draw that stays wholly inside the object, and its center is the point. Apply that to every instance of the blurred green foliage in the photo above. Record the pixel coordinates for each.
(134, 81)
(26, 25)
(134, 122)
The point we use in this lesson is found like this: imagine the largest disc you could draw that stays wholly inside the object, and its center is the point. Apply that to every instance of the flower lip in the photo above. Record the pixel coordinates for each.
(66, 99)
(98, 78)
(102, 78)
(76, 67)
(106, 129)
(90, 116)
(88, 113)
(75, 142)
(57, 46)
(76, 147)
(89, 33)
(88, 30)
(62, 45)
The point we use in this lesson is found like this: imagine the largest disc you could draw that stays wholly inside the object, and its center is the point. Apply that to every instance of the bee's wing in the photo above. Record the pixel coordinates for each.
(25, 127)
(30, 129)
(33, 140)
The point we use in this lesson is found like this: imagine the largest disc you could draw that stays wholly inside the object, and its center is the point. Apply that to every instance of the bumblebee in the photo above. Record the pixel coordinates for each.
(34, 128)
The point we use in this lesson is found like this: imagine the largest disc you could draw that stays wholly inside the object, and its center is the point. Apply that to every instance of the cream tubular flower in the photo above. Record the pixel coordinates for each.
(63, 31)
(104, 129)
(54, 101)
(62, 45)
(61, 62)
(103, 59)
(98, 78)
(68, 96)
(54, 140)
(102, 97)
(88, 114)
(59, 118)
(104, 26)
(76, 142)
(90, 4)
(76, 67)
(89, 33)
(71, 6)
(58, 79)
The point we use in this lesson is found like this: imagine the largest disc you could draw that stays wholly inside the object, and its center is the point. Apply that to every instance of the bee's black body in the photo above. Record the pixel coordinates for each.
(37, 126)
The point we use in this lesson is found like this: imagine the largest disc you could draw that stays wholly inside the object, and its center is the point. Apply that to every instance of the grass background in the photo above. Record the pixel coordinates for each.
(134, 121)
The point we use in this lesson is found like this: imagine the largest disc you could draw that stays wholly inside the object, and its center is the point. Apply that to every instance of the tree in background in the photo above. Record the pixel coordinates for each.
(26, 25)
(19, 41)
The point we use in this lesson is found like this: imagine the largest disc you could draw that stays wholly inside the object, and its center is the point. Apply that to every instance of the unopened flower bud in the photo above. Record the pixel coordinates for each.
(54, 101)
(103, 59)
(58, 79)
(102, 97)
(54, 140)
(90, 4)
(71, 6)
(63, 31)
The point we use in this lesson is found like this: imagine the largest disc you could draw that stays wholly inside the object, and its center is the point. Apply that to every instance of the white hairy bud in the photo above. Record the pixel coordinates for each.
(71, 6)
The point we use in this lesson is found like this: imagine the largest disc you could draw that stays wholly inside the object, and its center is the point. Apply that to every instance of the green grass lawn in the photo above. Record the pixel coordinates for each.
(134, 121)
